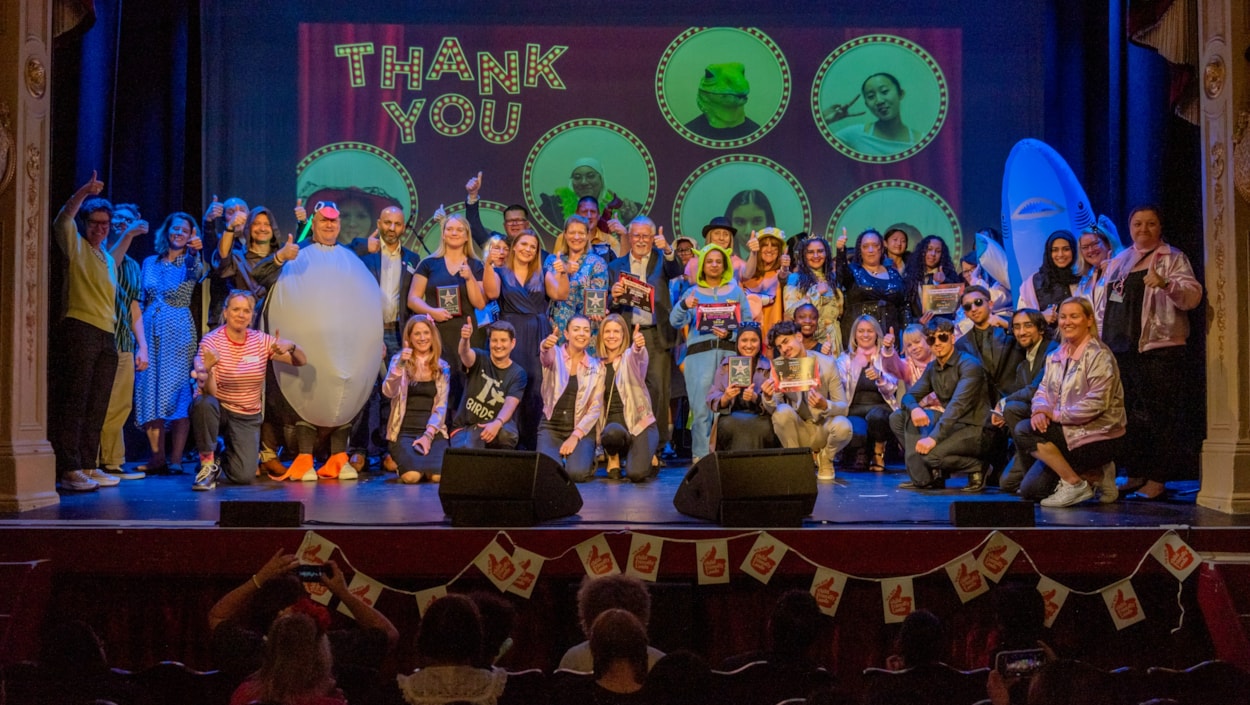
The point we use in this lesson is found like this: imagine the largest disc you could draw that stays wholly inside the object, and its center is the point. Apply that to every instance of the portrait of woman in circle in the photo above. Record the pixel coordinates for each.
(587, 179)
(750, 210)
(883, 132)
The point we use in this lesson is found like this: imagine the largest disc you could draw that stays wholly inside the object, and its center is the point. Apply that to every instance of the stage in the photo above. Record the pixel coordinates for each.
(147, 558)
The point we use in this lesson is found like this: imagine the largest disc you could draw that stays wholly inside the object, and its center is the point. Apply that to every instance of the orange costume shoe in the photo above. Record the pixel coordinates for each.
(338, 467)
(301, 469)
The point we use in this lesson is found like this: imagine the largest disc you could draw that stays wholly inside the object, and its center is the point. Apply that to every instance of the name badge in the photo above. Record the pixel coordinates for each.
(250, 359)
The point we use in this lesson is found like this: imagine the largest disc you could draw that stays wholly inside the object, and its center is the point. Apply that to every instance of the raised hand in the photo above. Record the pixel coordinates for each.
(215, 209)
(374, 242)
(240, 217)
(464, 271)
(550, 341)
(691, 301)
(405, 355)
(1154, 279)
(301, 215)
(139, 227)
(841, 244)
(617, 228)
(753, 244)
(466, 331)
(473, 186)
(888, 340)
(290, 250)
(871, 373)
(280, 346)
(842, 111)
(660, 243)
(640, 342)
(558, 266)
(785, 262)
(93, 187)
(195, 244)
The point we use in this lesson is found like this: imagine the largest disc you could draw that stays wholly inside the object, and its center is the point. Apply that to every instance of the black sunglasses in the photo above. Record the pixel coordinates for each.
(975, 303)
(941, 335)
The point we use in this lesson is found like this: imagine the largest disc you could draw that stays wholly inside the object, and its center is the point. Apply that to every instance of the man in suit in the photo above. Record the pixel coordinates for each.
(1029, 327)
(392, 265)
(652, 259)
(999, 354)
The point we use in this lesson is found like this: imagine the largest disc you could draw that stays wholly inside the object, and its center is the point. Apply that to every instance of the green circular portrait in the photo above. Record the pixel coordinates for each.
(722, 87)
(879, 98)
(883, 203)
(753, 192)
(361, 180)
(588, 158)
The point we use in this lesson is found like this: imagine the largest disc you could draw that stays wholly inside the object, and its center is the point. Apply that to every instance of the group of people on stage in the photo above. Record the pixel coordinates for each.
(837, 347)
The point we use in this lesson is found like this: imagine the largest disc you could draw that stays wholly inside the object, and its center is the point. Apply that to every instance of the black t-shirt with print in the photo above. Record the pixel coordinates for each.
(488, 389)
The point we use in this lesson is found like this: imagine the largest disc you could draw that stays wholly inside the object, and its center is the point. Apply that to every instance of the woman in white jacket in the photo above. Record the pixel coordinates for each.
(627, 429)
(870, 382)
(417, 383)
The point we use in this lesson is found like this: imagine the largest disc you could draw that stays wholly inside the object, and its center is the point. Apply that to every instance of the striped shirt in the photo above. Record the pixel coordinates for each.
(240, 369)
(128, 289)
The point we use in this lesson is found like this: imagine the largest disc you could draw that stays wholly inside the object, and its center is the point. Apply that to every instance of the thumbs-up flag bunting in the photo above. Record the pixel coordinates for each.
(597, 557)
(1123, 604)
(712, 561)
(764, 557)
(828, 587)
(1053, 596)
(997, 556)
(529, 565)
(965, 575)
(644, 557)
(364, 587)
(497, 565)
(898, 599)
(425, 598)
(1175, 555)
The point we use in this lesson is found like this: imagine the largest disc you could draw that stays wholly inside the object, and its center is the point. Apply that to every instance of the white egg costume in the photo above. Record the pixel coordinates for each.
(327, 300)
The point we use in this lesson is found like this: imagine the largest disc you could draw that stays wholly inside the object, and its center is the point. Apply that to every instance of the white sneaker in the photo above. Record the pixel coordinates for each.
(78, 481)
(1067, 495)
(348, 472)
(102, 478)
(824, 466)
(1107, 490)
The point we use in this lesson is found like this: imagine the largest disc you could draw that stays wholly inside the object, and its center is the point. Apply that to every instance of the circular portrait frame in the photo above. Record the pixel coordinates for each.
(915, 71)
(724, 179)
(549, 159)
(857, 212)
(339, 162)
(686, 55)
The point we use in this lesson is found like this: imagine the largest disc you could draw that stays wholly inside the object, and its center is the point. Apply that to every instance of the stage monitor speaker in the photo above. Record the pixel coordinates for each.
(505, 488)
(969, 515)
(254, 514)
(754, 488)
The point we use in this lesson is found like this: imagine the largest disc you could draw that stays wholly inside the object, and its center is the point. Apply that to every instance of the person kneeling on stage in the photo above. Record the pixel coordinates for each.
(417, 383)
(572, 393)
(870, 382)
(740, 420)
(948, 440)
(813, 419)
(1029, 328)
(230, 371)
(1078, 415)
(494, 390)
(627, 428)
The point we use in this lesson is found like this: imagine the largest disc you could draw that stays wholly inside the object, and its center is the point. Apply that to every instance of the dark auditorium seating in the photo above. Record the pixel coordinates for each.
(936, 684)
(528, 687)
(1206, 683)
(764, 683)
(177, 683)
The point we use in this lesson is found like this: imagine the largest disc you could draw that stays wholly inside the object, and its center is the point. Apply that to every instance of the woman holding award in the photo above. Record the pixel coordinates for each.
(627, 429)
(736, 399)
(446, 287)
(525, 293)
(713, 309)
(930, 264)
(586, 271)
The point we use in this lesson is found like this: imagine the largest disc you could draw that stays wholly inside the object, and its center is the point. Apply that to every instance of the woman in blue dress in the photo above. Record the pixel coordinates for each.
(163, 392)
(586, 271)
(525, 292)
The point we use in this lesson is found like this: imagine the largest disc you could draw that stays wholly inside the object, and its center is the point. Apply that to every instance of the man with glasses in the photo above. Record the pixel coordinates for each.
(1000, 355)
(516, 218)
(950, 440)
(85, 350)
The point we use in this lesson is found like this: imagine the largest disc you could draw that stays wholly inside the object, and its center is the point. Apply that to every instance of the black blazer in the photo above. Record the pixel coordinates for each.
(1029, 377)
(1000, 367)
(373, 262)
(659, 272)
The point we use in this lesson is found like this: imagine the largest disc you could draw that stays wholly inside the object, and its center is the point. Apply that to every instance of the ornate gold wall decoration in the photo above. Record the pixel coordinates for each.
(30, 256)
(1241, 155)
(8, 148)
(1217, 162)
(36, 77)
(1213, 77)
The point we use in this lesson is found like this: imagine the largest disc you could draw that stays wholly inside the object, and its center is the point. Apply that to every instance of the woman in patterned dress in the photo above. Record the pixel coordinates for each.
(586, 271)
(163, 391)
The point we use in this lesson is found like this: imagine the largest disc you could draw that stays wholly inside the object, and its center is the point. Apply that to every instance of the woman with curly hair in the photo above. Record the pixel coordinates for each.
(813, 283)
(872, 286)
(929, 264)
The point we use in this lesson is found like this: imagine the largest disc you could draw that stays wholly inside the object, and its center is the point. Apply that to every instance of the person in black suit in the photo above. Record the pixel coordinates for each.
(650, 258)
(392, 265)
(1029, 327)
(516, 218)
(999, 354)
